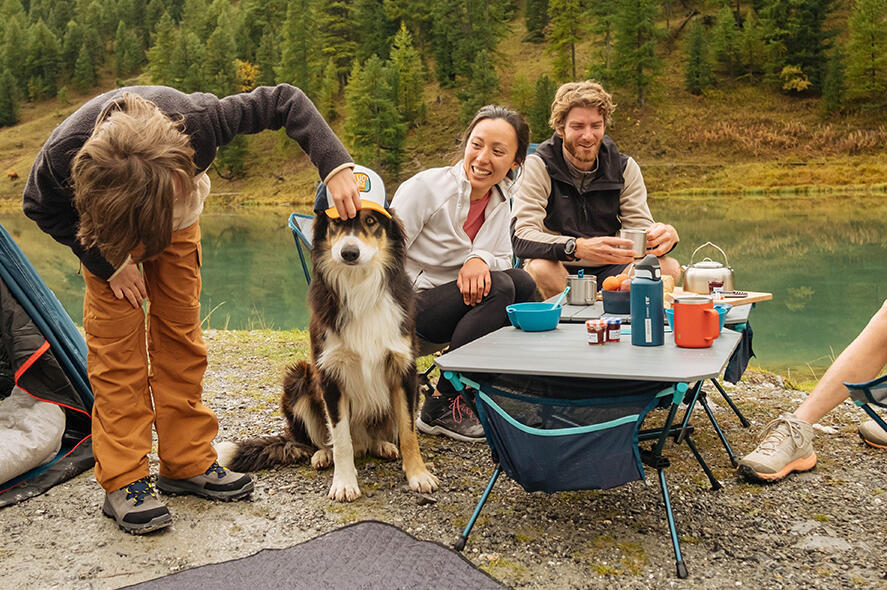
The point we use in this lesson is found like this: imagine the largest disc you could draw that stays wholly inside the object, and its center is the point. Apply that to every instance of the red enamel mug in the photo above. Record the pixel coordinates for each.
(695, 322)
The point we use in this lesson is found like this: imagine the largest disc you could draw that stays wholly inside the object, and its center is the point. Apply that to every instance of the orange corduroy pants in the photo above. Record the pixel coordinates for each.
(149, 370)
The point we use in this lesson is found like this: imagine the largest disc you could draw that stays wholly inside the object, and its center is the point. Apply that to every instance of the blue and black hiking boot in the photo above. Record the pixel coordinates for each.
(216, 483)
(136, 508)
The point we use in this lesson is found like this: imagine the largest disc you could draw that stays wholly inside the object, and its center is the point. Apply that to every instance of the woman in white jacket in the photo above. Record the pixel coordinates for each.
(459, 251)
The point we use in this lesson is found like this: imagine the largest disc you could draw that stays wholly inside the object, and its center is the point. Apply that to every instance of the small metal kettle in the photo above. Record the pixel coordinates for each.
(698, 275)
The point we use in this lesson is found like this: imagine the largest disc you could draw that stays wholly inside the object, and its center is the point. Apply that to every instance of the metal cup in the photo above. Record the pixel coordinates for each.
(583, 290)
(638, 239)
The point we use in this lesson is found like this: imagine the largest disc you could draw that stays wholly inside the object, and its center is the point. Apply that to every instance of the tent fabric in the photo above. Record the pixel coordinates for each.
(47, 357)
(30, 433)
(367, 554)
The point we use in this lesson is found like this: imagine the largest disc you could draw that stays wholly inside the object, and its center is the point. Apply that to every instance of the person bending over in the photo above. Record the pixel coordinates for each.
(122, 182)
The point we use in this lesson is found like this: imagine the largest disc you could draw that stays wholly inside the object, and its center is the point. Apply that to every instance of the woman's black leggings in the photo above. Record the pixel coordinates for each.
(442, 316)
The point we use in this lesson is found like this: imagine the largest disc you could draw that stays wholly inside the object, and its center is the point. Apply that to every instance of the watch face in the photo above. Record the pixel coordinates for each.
(570, 247)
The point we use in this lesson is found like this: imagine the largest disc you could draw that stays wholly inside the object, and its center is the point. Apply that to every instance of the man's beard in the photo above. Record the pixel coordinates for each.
(582, 155)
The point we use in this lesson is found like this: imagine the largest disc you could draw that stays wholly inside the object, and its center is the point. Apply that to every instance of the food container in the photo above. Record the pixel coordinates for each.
(534, 316)
(583, 289)
(617, 302)
(597, 331)
(697, 276)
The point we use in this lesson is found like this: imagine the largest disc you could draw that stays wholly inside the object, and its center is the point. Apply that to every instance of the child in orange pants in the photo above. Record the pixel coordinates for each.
(122, 182)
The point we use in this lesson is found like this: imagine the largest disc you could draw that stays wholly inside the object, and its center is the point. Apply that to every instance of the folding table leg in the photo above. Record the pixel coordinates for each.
(715, 484)
(703, 401)
(675, 542)
(729, 400)
(459, 545)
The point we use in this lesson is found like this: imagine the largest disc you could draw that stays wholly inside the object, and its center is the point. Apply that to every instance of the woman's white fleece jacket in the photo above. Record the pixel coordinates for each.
(433, 205)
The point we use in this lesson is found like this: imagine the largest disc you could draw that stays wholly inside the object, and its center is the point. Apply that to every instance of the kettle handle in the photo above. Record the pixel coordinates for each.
(727, 264)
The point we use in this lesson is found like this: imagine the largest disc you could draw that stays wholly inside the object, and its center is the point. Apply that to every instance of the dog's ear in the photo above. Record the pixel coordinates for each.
(319, 229)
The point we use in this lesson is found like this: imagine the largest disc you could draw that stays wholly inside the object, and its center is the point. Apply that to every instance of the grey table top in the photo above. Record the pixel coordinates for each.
(564, 352)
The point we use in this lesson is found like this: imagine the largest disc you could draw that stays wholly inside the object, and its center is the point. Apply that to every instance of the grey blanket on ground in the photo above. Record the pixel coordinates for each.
(367, 555)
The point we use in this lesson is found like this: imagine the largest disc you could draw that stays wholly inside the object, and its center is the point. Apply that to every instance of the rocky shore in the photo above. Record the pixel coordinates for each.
(822, 529)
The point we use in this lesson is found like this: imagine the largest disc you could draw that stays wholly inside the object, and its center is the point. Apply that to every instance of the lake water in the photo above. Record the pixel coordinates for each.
(822, 257)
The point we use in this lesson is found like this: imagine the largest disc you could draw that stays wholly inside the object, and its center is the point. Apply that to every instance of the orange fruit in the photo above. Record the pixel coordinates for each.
(611, 284)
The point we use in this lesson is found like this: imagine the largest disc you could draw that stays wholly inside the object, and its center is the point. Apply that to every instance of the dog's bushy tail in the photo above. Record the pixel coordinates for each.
(263, 452)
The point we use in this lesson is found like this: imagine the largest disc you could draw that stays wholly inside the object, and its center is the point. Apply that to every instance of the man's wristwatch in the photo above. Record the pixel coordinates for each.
(570, 248)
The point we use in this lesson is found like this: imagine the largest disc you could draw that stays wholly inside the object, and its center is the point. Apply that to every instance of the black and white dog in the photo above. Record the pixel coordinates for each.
(359, 393)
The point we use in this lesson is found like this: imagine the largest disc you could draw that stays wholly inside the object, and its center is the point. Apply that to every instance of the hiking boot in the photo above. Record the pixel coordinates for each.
(216, 483)
(450, 416)
(786, 446)
(872, 434)
(136, 508)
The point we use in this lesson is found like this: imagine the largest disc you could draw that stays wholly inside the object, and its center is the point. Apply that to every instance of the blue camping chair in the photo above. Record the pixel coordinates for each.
(868, 394)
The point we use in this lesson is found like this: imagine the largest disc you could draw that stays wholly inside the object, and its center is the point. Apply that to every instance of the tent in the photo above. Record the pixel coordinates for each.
(42, 359)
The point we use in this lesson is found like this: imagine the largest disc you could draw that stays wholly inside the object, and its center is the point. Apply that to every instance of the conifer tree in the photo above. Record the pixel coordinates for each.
(84, 72)
(373, 29)
(218, 70)
(697, 72)
(635, 64)
(184, 66)
(336, 27)
(602, 15)
(540, 112)
(797, 37)
(725, 39)
(160, 54)
(15, 48)
(328, 91)
(298, 47)
(522, 93)
(833, 87)
(565, 31)
(8, 99)
(867, 51)
(373, 130)
(127, 51)
(409, 77)
(536, 19)
(41, 60)
(71, 43)
(483, 86)
(195, 18)
(752, 48)
(267, 57)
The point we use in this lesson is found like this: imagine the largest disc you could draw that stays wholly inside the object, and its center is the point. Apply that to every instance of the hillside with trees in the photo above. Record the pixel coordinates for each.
(713, 94)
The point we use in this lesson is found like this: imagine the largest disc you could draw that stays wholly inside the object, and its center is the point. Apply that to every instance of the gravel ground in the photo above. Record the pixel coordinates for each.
(822, 529)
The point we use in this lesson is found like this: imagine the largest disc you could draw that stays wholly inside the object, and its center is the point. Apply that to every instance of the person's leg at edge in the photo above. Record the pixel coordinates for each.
(185, 426)
(122, 413)
(787, 442)
(550, 276)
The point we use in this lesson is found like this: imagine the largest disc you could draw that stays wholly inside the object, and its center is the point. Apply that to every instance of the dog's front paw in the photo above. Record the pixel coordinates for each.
(322, 459)
(423, 482)
(342, 491)
(385, 449)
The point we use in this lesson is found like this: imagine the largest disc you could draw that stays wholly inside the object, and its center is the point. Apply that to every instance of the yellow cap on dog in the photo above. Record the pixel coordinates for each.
(372, 192)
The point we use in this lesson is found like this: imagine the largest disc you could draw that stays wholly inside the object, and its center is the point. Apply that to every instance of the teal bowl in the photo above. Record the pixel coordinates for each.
(721, 308)
(534, 316)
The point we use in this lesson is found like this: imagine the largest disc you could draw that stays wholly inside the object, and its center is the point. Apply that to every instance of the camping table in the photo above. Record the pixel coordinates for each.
(737, 318)
(563, 352)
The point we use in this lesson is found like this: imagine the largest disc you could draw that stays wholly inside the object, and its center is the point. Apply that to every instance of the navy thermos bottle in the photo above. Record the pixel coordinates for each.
(647, 315)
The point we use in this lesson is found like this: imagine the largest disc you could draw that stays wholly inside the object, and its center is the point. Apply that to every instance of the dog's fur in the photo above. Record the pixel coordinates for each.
(359, 393)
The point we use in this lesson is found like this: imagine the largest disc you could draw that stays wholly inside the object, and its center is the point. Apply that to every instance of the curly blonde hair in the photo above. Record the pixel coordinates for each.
(588, 94)
(126, 177)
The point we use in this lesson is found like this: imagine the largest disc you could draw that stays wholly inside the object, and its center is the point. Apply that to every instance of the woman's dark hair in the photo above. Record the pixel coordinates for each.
(513, 118)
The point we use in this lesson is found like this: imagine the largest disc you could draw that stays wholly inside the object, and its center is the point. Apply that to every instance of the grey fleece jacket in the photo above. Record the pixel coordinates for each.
(210, 123)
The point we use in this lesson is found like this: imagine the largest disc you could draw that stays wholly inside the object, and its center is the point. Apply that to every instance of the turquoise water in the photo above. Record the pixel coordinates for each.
(822, 258)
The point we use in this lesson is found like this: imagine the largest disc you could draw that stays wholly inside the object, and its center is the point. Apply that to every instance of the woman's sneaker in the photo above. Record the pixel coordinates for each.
(873, 435)
(216, 483)
(136, 508)
(786, 446)
(450, 416)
